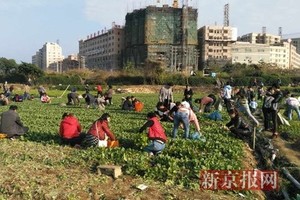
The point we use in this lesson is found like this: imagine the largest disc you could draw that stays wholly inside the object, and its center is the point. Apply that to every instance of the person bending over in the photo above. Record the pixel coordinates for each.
(98, 131)
(156, 134)
(237, 126)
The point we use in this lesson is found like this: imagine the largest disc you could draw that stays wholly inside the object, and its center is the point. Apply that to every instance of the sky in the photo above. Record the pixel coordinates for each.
(26, 25)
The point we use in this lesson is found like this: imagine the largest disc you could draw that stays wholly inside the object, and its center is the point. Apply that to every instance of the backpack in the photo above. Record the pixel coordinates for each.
(268, 101)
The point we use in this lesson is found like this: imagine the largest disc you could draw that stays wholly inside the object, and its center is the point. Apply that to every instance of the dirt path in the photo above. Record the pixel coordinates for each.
(288, 150)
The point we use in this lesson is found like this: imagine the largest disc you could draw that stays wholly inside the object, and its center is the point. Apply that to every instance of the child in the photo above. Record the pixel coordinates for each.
(45, 98)
(253, 105)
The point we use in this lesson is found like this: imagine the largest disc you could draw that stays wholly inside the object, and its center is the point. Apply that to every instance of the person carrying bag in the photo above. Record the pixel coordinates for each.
(99, 130)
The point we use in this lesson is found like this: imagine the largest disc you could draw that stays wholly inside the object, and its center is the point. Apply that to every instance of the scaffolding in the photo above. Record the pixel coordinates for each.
(165, 34)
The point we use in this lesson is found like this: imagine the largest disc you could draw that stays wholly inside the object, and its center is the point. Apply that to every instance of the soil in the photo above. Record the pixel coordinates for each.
(155, 89)
(43, 177)
(290, 150)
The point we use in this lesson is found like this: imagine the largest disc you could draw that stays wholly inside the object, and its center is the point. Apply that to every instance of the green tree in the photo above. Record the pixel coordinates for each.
(7, 66)
(30, 71)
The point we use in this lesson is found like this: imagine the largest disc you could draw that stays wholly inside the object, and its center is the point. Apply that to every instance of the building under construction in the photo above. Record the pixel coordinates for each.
(167, 35)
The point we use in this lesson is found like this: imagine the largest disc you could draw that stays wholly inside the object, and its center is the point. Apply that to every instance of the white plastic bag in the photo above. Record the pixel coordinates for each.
(102, 143)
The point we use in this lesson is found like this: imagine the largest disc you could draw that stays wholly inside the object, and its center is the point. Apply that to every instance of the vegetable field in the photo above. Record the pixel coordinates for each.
(38, 166)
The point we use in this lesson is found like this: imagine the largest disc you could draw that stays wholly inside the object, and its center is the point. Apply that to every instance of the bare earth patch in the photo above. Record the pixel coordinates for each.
(290, 150)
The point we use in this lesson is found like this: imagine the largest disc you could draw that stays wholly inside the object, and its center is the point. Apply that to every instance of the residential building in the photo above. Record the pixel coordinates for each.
(282, 55)
(165, 35)
(260, 38)
(295, 57)
(103, 50)
(69, 63)
(48, 57)
(249, 53)
(215, 44)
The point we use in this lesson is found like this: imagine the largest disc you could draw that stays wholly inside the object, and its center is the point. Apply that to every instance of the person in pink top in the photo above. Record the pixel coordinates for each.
(194, 120)
(205, 103)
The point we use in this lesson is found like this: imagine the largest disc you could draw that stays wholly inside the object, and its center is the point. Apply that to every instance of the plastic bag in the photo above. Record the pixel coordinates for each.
(198, 136)
(216, 115)
(102, 143)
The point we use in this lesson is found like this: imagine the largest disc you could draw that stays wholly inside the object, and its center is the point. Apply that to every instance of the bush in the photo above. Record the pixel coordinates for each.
(125, 80)
(56, 79)
(270, 79)
(199, 81)
(13, 78)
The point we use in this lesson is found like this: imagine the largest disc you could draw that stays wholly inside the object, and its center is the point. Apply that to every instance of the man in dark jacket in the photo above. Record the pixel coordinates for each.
(73, 98)
(275, 108)
(11, 123)
(127, 104)
(90, 100)
(237, 126)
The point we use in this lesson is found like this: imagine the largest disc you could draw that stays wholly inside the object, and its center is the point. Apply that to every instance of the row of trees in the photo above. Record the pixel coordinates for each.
(149, 73)
(19, 73)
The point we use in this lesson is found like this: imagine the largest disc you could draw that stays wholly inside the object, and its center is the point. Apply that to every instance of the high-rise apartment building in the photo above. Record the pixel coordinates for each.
(215, 44)
(166, 35)
(282, 55)
(103, 50)
(48, 57)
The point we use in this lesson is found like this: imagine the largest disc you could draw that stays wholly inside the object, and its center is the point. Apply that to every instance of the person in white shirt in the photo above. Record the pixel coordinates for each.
(253, 105)
(166, 94)
(292, 104)
(227, 90)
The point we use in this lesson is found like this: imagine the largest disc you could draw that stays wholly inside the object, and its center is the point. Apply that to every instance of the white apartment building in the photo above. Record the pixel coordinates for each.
(282, 55)
(215, 44)
(103, 50)
(248, 53)
(48, 57)
(260, 38)
(295, 57)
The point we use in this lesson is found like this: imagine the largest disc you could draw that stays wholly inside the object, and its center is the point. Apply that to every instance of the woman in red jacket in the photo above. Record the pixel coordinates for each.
(98, 131)
(156, 134)
(70, 130)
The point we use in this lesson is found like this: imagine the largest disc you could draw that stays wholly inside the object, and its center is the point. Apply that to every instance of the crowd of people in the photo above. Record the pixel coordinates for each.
(240, 103)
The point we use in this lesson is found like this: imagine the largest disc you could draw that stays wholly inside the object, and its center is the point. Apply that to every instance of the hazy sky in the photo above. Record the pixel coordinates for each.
(28, 24)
